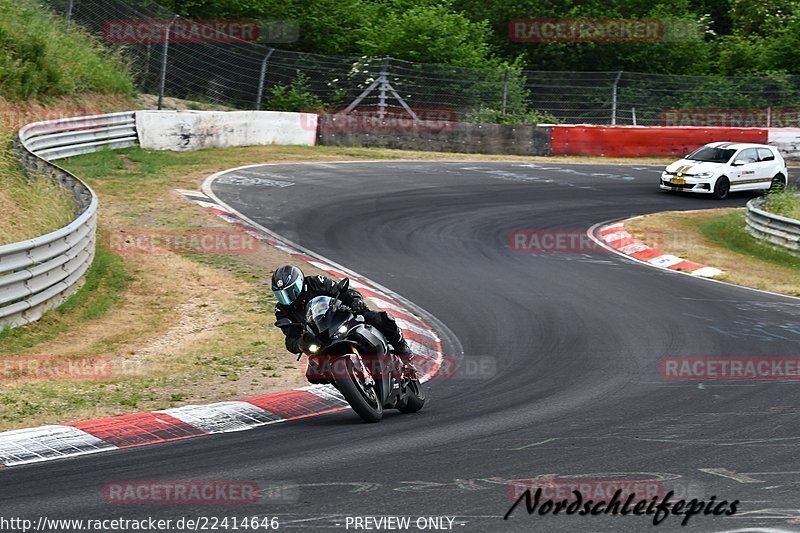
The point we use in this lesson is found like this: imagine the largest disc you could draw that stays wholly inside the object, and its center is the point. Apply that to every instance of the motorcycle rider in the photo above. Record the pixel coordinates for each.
(294, 290)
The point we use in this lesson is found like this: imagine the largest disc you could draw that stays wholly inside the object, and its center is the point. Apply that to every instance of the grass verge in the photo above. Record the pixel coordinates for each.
(34, 207)
(105, 280)
(718, 238)
(785, 203)
(30, 207)
(42, 56)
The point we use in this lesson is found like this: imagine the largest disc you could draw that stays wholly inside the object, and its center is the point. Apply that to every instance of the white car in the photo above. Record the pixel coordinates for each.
(721, 167)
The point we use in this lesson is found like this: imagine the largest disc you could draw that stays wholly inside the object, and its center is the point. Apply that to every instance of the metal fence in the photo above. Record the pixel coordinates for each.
(766, 226)
(40, 273)
(246, 75)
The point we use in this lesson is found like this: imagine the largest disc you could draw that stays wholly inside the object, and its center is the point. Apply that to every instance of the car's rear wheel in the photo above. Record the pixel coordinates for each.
(722, 188)
(778, 183)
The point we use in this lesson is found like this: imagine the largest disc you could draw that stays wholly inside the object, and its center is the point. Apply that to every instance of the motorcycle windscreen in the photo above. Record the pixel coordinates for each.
(326, 320)
(317, 307)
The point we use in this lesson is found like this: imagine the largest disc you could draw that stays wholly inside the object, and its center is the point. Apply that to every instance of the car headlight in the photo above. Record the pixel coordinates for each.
(704, 175)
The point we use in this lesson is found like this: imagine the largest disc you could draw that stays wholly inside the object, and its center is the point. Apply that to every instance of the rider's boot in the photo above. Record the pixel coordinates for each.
(403, 351)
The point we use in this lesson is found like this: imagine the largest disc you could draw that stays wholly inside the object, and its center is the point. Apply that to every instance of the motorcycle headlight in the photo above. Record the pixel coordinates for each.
(342, 329)
(313, 348)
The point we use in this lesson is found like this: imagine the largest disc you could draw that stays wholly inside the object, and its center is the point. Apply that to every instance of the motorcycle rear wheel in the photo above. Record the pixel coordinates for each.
(364, 400)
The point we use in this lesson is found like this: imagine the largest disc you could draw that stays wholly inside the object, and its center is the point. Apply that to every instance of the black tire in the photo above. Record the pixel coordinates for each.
(722, 188)
(778, 183)
(415, 399)
(370, 409)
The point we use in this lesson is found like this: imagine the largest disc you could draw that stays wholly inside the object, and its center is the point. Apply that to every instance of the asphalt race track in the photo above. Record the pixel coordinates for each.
(558, 363)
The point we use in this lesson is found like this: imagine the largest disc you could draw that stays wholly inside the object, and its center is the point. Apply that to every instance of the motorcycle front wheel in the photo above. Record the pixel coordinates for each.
(415, 399)
(364, 400)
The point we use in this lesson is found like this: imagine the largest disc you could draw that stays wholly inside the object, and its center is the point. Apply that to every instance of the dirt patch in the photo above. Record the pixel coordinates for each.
(150, 101)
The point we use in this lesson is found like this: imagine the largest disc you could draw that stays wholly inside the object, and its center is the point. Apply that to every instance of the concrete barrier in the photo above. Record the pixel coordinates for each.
(446, 136)
(634, 141)
(195, 130)
(787, 140)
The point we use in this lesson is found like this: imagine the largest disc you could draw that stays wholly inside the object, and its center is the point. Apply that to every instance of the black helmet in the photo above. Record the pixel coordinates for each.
(287, 284)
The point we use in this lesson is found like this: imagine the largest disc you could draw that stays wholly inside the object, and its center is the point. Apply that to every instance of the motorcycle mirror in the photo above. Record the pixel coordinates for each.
(343, 285)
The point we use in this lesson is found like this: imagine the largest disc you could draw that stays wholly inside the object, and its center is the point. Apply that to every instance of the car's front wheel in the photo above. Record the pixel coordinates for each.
(722, 188)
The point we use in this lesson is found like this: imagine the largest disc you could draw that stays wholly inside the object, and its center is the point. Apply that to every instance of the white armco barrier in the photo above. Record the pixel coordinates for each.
(195, 130)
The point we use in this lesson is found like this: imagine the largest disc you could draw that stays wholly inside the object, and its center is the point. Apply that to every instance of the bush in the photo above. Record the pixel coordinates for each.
(296, 97)
(485, 115)
(785, 203)
(42, 56)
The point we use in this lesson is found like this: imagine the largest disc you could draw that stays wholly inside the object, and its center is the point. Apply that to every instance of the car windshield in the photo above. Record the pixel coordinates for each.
(711, 155)
(318, 306)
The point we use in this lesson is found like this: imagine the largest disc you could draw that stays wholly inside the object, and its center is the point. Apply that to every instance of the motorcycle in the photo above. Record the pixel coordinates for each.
(354, 357)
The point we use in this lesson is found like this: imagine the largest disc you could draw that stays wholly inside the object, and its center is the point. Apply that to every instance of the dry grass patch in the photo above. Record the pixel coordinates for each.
(30, 207)
(34, 207)
(717, 238)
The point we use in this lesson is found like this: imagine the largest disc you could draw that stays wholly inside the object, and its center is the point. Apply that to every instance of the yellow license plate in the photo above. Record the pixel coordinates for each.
(678, 181)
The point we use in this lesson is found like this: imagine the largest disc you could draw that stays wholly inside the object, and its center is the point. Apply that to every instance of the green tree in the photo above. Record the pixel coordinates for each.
(428, 34)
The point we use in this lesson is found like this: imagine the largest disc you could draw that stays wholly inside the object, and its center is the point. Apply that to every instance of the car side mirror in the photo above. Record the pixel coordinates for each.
(739, 162)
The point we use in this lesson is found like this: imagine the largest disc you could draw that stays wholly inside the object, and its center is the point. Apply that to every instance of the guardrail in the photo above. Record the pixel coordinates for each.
(766, 226)
(40, 273)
